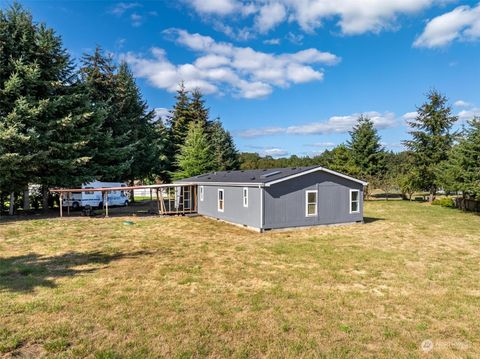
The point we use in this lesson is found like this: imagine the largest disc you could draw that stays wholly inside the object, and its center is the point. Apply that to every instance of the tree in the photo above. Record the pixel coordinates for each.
(45, 119)
(339, 159)
(431, 139)
(146, 139)
(366, 151)
(224, 152)
(196, 156)
(111, 146)
(178, 123)
(197, 110)
(461, 172)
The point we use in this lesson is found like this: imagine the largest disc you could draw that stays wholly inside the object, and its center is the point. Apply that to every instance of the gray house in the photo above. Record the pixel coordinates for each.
(280, 197)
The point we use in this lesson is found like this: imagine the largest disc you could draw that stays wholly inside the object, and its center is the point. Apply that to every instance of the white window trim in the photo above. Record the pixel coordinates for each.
(306, 203)
(245, 196)
(202, 191)
(358, 201)
(218, 200)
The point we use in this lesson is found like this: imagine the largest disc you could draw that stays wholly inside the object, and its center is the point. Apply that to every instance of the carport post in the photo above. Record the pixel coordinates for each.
(61, 204)
(106, 204)
(68, 203)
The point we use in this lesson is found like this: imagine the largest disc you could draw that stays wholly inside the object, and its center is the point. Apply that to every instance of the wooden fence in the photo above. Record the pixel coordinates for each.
(466, 204)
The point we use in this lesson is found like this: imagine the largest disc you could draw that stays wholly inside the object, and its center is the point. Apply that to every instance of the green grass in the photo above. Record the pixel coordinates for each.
(191, 287)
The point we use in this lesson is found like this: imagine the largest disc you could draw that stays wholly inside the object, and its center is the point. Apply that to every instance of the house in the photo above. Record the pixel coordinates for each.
(279, 198)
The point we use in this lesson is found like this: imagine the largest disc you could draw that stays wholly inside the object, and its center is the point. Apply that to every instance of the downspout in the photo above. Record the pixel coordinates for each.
(262, 212)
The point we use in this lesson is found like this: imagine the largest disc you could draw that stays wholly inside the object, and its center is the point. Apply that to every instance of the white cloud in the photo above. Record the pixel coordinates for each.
(272, 41)
(137, 19)
(222, 67)
(410, 116)
(161, 113)
(215, 7)
(352, 16)
(462, 23)
(462, 104)
(321, 144)
(120, 8)
(275, 152)
(270, 16)
(335, 124)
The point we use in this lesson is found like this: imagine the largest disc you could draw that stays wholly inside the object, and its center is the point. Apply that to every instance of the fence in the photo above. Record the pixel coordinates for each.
(466, 204)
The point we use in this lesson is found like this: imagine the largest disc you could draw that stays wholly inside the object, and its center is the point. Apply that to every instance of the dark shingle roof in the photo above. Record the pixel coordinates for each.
(248, 176)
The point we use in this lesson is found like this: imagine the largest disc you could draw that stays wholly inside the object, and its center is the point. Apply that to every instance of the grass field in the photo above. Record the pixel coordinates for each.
(193, 287)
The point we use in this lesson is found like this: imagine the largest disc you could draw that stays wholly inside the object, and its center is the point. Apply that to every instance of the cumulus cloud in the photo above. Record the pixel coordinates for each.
(335, 124)
(468, 112)
(272, 41)
(120, 8)
(269, 151)
(410, 116)
(161, 113)
(462, 23)
(222, 67)
(353, 17)
(462, 104)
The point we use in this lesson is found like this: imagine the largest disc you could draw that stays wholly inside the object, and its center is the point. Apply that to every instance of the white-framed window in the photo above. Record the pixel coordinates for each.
(201, 193)
(354, 201)
(245, 196)
(311, 203)
(88, 192)
(221, 200)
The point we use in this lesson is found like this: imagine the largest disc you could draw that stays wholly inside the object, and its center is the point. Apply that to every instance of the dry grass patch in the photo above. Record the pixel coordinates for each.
(193, 287)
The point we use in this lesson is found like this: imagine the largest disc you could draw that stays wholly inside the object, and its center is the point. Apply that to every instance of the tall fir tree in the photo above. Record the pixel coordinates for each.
(431, 139)
(224, 152)
(43, 114)
(196, 155)
(113, 159)
(461, 172)
(366, 151)
(198, 111)
(178, 123)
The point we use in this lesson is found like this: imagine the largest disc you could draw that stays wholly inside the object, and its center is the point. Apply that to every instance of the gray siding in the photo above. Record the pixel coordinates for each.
(284, 203)
(234, 210)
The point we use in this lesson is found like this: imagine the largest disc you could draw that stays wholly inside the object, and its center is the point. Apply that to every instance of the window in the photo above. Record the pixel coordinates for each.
(245, 197)
(354, 201)
(201, 193)
(311, 203)
(88, 192)
(220, 200)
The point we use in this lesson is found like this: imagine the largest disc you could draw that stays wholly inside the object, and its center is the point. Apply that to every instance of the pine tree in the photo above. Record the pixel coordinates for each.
(461, 172)
(224, 152)
(178, 123)
(113, 157)
(198, 111)
(365, 148)
(195, 155)
(45, 120)
(431, 139)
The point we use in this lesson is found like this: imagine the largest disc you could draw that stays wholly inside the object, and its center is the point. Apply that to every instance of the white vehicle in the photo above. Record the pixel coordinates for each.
(95, 198)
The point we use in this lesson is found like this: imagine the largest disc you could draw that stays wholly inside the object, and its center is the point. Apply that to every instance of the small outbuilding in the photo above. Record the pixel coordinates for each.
(280, 197)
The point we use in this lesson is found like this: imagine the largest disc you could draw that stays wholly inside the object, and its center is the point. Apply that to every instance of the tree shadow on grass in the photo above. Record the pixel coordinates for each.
(26, 272)
(372, 219)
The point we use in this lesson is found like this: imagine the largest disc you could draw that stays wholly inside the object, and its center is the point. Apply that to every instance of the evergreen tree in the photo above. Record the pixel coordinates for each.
(366, 150)
(197, 110)
(431, 139)
(224, 152)
(146, 138)
(339, 159)
(178, 123)
(109, 95)
(43, 126)
(196, 156)
(461, 172)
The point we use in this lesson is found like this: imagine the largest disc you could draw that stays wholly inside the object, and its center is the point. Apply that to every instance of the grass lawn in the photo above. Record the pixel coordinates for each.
(192, 287)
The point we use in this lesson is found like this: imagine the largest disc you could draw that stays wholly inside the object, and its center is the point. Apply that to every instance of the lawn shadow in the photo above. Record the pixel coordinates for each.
(372, 219)
(26, 272)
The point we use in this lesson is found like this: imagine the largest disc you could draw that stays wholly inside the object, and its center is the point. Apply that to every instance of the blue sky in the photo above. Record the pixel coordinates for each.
(288, 77)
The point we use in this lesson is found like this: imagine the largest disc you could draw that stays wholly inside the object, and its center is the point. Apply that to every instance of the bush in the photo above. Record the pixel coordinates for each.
(444, 202)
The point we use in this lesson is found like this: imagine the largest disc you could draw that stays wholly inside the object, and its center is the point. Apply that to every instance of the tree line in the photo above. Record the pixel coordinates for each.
(64, 122)
(436, 157)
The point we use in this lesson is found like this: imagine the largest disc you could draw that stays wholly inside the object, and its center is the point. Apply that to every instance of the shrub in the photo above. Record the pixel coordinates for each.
(444, 202)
